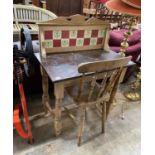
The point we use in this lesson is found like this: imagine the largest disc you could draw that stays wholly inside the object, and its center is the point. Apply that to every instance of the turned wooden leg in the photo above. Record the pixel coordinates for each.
(59, 94)
(45, 96)
(82, 121)
(103, 116)
(122, 75)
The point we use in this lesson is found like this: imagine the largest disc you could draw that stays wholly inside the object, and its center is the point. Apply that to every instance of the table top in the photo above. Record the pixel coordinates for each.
(61, 67)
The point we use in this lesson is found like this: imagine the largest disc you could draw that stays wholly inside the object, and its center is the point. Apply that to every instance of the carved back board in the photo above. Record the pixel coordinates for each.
(74, 33)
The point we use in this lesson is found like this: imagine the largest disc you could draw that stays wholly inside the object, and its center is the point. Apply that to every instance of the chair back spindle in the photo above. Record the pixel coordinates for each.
(105, 77)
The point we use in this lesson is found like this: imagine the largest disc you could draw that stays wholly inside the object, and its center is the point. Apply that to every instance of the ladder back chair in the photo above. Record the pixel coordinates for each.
(91, 92)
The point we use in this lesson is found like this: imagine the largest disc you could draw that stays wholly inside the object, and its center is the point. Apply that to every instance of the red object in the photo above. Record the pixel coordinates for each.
(80, 33)
(48, 35)
(72, 42)
(65, 34)
(94, 33)
(16, 118)
(56, 43)
(134, 3)
(99, 40)
(86, 41)
(125, 7)
(102, 1)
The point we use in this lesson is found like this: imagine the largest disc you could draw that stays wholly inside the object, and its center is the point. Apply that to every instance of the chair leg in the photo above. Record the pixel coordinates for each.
(85, 113)
(103, 116)
(82, 121)
(122, 111)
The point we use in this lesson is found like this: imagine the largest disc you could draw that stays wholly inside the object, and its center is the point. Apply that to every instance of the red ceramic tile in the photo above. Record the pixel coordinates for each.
(56, 43)
(72, 42)
(80, 33)
(65, 34)
(48, 35)
(94, 33)
(86, 41)
(99, 40)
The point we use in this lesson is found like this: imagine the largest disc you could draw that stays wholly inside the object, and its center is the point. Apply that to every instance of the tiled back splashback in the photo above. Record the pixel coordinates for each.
(71, 34)
(73, 38)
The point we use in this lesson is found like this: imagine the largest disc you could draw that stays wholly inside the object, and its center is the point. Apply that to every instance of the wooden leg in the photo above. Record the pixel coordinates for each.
(112, 96)
(122, 75)
(103, 116)
(98, 107)
(59, 94)
(45, 96)
(82, 121)
(122, 111)
(108, 105)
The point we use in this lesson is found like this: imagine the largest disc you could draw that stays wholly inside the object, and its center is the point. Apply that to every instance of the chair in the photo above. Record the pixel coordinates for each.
(99, 89)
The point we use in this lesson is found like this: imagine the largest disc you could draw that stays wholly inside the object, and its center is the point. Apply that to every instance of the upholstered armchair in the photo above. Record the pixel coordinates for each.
(134, 49)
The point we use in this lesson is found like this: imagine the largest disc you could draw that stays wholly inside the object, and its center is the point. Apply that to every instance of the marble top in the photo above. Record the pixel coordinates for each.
(60, 67)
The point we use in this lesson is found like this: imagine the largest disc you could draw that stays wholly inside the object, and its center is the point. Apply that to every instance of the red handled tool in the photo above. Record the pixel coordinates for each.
(18, 76)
